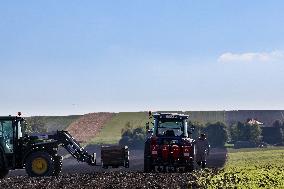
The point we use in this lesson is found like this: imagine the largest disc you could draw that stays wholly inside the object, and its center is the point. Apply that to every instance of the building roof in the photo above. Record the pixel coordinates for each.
(254, 122)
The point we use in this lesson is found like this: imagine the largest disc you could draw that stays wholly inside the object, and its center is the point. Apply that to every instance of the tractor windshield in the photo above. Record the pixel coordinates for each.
(170, 128)
(6, 136)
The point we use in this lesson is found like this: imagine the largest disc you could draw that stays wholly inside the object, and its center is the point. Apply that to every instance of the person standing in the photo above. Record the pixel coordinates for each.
(202, 150)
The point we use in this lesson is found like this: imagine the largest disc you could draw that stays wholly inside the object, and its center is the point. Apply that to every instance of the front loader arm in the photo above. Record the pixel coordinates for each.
(74, 148)
(64, 139)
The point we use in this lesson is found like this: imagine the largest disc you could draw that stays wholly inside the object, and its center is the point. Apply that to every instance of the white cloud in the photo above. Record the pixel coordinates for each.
(252, 56)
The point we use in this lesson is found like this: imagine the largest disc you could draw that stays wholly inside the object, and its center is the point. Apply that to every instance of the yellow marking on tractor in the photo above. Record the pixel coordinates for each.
(39, 165)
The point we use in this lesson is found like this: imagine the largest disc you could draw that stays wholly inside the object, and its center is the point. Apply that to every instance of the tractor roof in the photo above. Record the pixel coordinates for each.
(10, 117)
(170, 116)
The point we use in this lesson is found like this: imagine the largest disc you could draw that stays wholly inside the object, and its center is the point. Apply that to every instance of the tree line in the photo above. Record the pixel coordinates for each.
(218, 133)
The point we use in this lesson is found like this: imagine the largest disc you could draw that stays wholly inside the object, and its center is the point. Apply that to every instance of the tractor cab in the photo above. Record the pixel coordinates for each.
(10, 132)
(170, 125)
(10, 140)
(170, 128)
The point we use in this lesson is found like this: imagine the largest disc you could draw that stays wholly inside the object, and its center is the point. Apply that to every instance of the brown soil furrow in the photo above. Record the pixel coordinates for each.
(88, 126)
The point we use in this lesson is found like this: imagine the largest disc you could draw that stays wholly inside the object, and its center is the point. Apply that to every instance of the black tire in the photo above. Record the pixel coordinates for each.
(104, 166)
(3, 172)
(147, 158)
(148, 165)
(203, 164)
(39, 164)
(189, 167)
(126, 163)
(126, 160)
(57, 165)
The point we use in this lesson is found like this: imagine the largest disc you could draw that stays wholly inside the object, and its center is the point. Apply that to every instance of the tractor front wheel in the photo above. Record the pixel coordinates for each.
(57, 165)
(189, 167)
(3, 172)
(40, 164)
(148, 167)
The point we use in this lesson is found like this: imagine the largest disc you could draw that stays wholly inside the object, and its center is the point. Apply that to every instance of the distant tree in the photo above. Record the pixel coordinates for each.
(255, 133)
(245, 132)
(132, 137)
(216, 133)
(127, 130)
(274, 134)
(277, 123)
(198, 128)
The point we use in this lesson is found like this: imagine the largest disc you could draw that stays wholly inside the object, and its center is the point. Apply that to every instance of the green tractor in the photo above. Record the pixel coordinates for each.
(38, 153)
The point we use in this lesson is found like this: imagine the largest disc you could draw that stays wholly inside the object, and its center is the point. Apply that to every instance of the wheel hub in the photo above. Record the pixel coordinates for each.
(39, 165)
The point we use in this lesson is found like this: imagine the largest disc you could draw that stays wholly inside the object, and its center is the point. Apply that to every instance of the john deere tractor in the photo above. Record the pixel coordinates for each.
(168, 146)
(38, 153)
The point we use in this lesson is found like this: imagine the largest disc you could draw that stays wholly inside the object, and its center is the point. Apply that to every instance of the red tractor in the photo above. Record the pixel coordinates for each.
(168, 146)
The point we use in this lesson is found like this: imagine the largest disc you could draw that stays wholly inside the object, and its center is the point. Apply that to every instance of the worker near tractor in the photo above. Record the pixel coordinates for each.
(202, 150)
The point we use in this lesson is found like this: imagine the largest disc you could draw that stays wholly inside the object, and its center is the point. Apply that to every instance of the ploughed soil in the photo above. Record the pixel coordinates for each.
(86, 127)
(103, 180)
(80, 175)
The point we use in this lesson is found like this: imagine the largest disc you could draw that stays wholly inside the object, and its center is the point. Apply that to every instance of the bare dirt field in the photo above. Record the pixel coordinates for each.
(80, 175)
(87, 127)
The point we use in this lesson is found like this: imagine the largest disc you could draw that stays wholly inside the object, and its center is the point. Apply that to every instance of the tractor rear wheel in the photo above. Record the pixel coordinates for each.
(189, 167)
(3, 172)
(147, 165)
(40, 164)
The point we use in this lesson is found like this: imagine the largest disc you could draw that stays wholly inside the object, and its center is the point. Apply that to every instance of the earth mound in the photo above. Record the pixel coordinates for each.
(86, 127)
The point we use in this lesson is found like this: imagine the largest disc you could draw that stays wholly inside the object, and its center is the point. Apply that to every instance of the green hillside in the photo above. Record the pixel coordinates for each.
(111, 132)
(59, 122)
(53, 123)
(204, 117)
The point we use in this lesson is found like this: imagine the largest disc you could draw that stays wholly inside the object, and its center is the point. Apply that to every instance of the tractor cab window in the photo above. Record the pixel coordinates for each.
(6, 136)
(20, 131)
(170, 128)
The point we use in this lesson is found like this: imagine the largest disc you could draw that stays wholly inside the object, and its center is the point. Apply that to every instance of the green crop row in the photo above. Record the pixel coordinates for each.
(262, 168)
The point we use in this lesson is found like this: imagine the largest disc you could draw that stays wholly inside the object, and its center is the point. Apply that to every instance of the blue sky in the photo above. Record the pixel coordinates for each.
(74, 57)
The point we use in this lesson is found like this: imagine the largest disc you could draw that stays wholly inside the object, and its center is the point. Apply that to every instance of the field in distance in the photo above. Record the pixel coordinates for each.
(249, 168)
